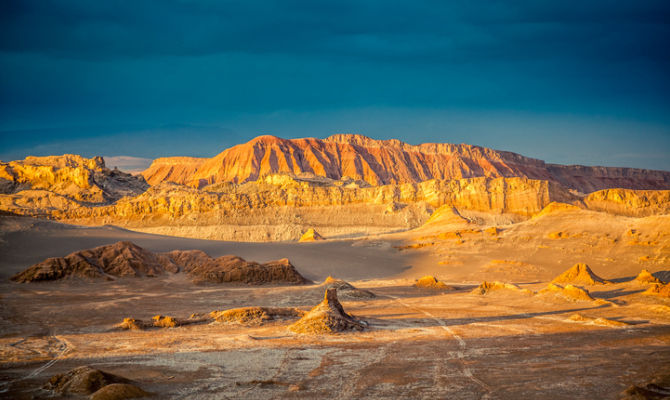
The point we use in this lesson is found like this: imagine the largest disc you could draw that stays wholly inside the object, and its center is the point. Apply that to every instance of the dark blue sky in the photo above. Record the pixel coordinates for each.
(569, 82)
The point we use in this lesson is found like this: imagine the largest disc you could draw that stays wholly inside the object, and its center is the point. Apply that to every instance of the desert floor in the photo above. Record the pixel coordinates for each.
(420, 343)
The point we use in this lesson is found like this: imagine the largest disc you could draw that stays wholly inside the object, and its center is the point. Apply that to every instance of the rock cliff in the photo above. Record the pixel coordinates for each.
(71, 176)
(382, 162)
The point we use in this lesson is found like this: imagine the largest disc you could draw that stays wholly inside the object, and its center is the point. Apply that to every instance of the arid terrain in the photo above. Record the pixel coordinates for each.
(459, 272)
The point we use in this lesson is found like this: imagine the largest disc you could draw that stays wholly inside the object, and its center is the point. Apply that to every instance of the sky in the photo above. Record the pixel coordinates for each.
(569, 82)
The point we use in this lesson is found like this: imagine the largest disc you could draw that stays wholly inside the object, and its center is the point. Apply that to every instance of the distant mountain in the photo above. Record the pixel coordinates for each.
(380, 162)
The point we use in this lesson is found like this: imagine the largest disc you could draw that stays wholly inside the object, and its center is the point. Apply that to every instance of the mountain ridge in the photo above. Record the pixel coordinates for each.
(381, 162)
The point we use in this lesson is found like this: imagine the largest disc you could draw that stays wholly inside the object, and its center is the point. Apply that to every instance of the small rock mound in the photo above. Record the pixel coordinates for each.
(569, 292)
(345, 289)
(488, 287)
(556, 207)
(132, 324)
(656, 389)
(310, 236)
(646, 277)
(596, 321)
(579, 274)
(327, 317)
(446, 215)
(659, 290)
(163, 321)
(82, 380)
(119, 391)
(256, 315)
(430, 282)
(158, 321)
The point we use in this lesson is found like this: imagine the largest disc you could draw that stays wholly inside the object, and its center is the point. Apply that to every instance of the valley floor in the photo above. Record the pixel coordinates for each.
(420, 343)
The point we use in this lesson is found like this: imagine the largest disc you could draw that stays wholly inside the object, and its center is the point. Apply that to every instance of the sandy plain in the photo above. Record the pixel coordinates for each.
(420, 343)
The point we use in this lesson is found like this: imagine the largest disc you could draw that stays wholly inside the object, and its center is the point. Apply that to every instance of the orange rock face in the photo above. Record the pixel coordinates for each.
(66, 178)
(172, 169)
(380, 162)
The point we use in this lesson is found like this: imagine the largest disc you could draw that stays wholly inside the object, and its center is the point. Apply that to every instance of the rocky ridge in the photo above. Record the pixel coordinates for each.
(126, 259)
(73, 177)
(381, 162)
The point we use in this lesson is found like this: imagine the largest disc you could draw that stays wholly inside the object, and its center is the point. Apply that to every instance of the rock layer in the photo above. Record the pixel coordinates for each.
(71, 176)
(380, 162)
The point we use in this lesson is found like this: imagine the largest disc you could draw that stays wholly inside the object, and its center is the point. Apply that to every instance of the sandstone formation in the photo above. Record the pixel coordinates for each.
(579, 274)
(310, 236)
(234, 269)
(117, 260)
(556, 207)
(119, 391)
(345, 289)
(489, 287)
(82, 380)
(430, 282)
(381, 162)
(659, 290)
(126, 259)
(172, 169)
(272, 189)
(74, 177)
(646, 277)
(597, 321)
(256, 315)
(568, 292)
(634, 203)
(445, 215)
(327, 317)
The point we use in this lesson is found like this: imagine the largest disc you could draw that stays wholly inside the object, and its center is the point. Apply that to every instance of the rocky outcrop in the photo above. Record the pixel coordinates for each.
(126, 259)
(491, 287)
(311, 236)
(74, 177)
(346, 289)
(659, 290)
(117, 260)
(568, 292)
(327, 317)
(119, 391)
(235, 269)
(381, 162)
(432, 283)
(579, 274)
(82, 380)
(645, 277)
(256, 315)
(634, 203)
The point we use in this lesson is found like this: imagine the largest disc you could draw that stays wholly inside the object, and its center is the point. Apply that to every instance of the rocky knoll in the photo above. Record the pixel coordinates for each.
(327, 317)
(381, 162)
(70, 176)
(234, 269)
(117, 260)
(126, 259)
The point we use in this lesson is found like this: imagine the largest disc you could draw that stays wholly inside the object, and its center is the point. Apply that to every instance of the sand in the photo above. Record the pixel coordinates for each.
(417, 343)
